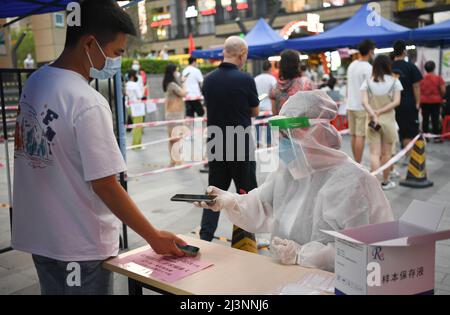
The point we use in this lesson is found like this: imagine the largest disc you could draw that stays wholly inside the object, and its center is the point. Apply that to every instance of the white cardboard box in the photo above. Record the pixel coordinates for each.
(396, 257)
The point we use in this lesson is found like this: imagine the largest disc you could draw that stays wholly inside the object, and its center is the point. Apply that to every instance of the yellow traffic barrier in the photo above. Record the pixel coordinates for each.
(417, 172)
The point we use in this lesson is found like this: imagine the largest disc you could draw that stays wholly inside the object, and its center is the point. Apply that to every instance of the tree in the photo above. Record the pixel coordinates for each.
(26, 47)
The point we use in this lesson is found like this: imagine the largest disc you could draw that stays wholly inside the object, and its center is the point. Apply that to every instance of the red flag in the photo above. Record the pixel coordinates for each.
(191, 44)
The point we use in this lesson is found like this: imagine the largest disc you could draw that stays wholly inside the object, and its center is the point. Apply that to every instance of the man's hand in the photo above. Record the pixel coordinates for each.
(164, 243)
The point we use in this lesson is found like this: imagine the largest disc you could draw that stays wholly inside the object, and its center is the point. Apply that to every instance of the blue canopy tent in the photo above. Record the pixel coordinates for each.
(24, 8)
(262, 40)
(364, 24)
(438, 33)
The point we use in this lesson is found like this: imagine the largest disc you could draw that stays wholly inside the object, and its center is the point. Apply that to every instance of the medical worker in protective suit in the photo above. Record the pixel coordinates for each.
(316, 187)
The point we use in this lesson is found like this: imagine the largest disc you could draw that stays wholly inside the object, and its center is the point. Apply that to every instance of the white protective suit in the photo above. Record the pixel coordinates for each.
(336, 193)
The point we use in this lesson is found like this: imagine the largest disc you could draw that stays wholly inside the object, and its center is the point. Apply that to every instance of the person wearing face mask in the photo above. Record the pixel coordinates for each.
(67, 200)
(174, 105)
(315, 187)
(142, 77)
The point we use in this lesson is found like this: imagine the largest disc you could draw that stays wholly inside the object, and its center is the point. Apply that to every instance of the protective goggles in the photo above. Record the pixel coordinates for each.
(295, 122)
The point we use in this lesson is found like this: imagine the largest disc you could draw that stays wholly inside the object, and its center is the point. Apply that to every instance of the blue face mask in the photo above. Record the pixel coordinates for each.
(286, 150)
(112, 66)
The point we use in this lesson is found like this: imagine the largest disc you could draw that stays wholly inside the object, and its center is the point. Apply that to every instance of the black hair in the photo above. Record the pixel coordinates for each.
(331, 82)
(399, 48)
(365, 47)
(303, 68)
(132, 75)
(191, 60)
(430, 66)
(381, 66)
(289, 64)
(102, 18)
(392, 56)
(169, 75)
(266, 65)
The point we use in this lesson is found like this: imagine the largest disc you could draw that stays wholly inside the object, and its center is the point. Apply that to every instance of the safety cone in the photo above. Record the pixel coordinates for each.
(242, 239)
(417, 172)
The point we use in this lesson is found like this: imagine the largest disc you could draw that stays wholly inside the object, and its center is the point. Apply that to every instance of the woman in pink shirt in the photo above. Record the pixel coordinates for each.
(292, 80)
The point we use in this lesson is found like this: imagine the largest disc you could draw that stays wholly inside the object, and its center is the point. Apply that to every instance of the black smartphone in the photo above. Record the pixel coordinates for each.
(374, 126)
(193, 198)
(189, 250)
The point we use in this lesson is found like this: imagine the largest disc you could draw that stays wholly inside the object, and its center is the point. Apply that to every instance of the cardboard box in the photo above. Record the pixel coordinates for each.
(396, 257)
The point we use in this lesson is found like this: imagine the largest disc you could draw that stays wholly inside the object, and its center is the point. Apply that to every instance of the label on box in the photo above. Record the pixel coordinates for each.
(350, 270)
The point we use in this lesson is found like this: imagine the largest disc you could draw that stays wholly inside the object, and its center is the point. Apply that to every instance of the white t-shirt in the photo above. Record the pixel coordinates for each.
(134, 91)
(64, 139)
(264, 83)
(389, 85)
(357, 73)
(193, 80)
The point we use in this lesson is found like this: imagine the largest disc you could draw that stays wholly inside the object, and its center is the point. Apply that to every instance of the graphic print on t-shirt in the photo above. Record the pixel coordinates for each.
(34, 135)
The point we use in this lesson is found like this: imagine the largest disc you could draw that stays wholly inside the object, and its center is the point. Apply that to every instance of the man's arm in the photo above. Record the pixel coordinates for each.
(120, 203)
(253, 99)
(254, 111)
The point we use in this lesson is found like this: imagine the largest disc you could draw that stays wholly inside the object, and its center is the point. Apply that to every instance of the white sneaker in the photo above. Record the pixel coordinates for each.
(388, 185)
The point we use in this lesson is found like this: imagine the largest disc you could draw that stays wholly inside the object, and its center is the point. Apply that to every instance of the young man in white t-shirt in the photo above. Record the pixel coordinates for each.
(66, 195)
(193, 80)
(265, 82)
(358, 71)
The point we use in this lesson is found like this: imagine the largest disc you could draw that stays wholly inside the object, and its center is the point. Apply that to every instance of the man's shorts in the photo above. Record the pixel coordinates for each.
(357, 122)
(408, 123)
(194, 107)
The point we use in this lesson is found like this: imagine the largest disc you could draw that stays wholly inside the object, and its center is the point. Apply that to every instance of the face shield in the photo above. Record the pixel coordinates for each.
(306, 146)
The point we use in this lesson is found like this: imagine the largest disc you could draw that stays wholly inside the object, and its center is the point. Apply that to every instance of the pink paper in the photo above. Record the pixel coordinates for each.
(167, 269)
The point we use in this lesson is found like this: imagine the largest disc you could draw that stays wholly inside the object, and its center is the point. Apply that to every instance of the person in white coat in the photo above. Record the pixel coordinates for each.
(316, 187)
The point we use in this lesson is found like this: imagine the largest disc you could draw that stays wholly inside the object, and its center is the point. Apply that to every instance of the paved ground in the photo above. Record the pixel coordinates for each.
(152, 194)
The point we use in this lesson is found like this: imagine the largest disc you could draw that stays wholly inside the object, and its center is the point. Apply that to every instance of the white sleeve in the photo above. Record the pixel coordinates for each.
(140, 91)
(364, 86)
(398, 85)
(317, 255)
(352, 203)
(199, 76)
(274, 82)
(99, 151)
(368, 73)
(254, 211)
(345, 204)
(380, 209)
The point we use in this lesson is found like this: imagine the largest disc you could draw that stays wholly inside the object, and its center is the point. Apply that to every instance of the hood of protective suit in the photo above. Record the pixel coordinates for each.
(316, 147)
(315, 105)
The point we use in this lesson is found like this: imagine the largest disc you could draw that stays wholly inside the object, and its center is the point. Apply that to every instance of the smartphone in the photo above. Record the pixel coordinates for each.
(189, 250)
(193, 198)
(374, 126)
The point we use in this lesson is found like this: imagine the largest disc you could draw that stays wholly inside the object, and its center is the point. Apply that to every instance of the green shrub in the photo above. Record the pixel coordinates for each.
(150, 66)
(207, 68)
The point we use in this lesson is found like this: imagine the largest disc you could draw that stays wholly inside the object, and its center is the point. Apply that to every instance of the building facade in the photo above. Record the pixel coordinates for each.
(211, 21)
(168, 23)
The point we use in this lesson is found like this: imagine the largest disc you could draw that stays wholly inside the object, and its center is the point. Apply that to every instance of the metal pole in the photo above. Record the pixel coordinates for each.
(5, 136)
(121, 137)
